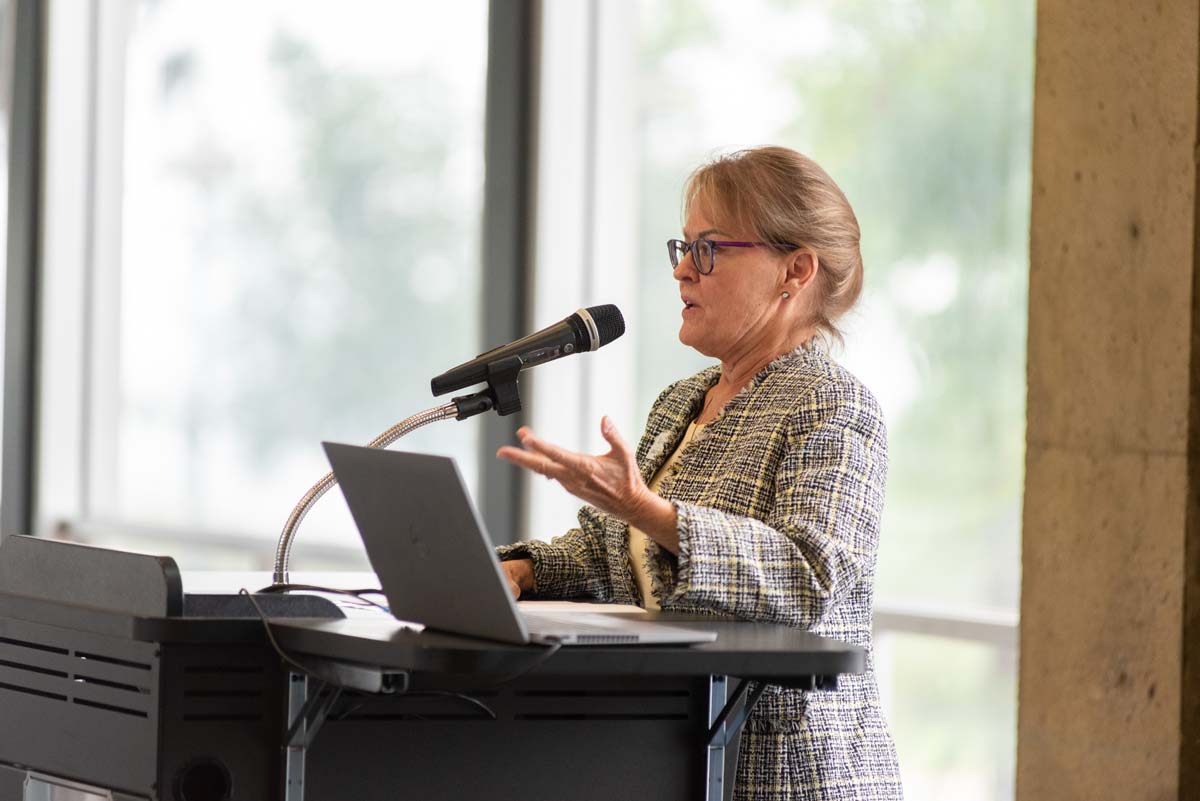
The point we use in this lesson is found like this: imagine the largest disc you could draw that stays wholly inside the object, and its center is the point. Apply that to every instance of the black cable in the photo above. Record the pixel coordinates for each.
(416, 694)
(271, 637)
(356, 593)
(487, 710)
(554, 643)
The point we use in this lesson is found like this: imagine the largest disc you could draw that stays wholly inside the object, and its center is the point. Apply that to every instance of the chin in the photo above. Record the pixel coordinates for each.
(690, 339)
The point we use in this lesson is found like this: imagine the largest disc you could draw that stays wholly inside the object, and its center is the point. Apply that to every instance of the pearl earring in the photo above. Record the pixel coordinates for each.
(786, 295)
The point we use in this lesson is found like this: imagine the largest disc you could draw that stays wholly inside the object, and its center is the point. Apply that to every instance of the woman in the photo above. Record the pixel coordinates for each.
(757, 486)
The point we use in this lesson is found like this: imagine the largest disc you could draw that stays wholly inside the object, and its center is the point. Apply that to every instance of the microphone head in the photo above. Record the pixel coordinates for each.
(609, 324)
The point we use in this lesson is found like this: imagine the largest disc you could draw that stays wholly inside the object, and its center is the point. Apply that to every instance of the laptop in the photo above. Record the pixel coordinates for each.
(436, 563)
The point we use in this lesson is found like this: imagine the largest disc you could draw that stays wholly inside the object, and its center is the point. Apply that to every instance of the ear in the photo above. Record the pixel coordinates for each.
(802, 267)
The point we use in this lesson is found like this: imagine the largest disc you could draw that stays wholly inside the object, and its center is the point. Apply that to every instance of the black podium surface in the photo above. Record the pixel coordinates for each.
(114, 698)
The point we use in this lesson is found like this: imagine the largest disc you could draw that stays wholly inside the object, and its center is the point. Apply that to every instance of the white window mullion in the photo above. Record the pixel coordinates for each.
(614, 223)
(553, 395)
(585, 247)
(101, 415)
(64, 247)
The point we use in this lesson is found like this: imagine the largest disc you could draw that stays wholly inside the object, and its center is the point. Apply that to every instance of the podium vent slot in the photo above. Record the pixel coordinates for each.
(115, 685)
(223, 693)
(600, 716)
(219, 718)
(604, 693)
(120, 710)
(112, 660)
(425, 716)
(31, 691)
(33, 668)
(50, 649)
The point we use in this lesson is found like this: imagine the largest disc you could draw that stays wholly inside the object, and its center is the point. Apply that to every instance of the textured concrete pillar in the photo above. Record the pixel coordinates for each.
(1109, 623)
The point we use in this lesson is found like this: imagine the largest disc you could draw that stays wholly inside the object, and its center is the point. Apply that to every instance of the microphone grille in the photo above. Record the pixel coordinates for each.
(609, 322)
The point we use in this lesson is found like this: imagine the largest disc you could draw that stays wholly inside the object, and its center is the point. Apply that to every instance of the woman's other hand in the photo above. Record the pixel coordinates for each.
(519, 573)
(610, 482)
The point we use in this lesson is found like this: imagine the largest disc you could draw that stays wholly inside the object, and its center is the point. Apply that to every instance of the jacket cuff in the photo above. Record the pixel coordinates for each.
(708, 568)
(684, 527)
(552, 567)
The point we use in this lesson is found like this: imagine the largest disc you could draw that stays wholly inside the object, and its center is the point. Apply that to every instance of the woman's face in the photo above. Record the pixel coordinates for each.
(736, 309)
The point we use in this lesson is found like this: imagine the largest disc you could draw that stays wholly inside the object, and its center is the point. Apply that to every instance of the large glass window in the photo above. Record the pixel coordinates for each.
(300, 200)
(922, 113)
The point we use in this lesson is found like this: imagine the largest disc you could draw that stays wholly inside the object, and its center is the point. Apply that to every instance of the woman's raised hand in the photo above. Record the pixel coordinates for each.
(611, 482)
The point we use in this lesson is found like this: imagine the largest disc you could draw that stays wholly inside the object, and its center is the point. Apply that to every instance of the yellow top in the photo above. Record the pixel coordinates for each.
(638, 538)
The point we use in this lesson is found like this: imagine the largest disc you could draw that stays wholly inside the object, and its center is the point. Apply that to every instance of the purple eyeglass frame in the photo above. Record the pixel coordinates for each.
(675, 245)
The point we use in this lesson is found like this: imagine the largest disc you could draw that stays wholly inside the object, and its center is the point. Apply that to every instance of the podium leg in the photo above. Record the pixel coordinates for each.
(293, 757)
(718, 689)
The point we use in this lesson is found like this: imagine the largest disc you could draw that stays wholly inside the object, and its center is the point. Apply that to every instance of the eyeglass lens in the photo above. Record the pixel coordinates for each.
(702, 253)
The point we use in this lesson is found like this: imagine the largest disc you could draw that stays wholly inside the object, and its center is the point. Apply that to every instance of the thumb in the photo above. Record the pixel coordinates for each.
(609, 429)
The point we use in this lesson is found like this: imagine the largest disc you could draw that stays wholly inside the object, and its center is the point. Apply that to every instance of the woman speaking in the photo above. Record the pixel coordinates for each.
(757, 486)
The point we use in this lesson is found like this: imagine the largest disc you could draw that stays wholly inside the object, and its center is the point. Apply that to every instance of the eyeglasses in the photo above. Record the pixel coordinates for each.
(704, 251)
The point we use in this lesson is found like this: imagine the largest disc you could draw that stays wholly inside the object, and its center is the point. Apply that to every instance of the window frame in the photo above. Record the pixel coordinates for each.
(26, 45)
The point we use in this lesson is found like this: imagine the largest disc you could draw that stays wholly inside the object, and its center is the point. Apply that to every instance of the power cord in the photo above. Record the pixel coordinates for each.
(311, 673)
(487, 710)
(356, 593)
(554, 644)
(271, 636)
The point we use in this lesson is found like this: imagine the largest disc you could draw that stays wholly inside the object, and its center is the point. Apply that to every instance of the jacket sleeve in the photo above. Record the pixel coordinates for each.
(569, 566)
(819, 537)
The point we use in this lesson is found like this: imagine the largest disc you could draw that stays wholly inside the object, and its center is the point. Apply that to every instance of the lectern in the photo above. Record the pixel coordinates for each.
(116, 684)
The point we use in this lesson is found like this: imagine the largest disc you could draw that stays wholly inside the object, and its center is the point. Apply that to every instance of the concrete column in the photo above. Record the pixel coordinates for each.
(1110, 588)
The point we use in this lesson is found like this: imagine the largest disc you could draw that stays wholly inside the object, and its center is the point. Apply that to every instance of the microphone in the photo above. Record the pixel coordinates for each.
(586, 329)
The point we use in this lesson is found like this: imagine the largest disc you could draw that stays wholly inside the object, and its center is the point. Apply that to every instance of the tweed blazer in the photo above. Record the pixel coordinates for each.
(778, 502)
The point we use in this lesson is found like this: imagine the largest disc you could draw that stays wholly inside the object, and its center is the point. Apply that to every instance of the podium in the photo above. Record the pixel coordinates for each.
(116, 684)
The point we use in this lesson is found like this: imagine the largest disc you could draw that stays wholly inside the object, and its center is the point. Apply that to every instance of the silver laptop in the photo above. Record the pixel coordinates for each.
(436, 563)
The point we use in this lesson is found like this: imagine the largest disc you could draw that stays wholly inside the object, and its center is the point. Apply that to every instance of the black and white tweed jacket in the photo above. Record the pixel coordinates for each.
(778, 501)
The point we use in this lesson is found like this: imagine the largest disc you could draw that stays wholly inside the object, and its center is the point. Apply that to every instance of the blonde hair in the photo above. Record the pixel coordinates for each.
(784, 196)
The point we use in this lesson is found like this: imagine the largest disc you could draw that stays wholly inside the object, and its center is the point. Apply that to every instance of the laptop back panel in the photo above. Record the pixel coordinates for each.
(416, 519)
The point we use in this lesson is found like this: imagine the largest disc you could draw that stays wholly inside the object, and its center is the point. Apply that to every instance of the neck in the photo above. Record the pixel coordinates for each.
(737, 369)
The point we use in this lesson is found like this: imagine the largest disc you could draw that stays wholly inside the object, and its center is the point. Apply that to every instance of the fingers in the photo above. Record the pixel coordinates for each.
(531, 461)
(554, 453)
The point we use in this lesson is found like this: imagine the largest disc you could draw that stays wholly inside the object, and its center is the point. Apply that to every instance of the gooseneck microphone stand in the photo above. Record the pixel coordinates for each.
(501, 394)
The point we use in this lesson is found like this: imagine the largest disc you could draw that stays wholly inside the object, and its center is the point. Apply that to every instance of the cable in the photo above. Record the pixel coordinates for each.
(271, 637)
(487, 710)
(555, 644)
(356, 593)
(412, 694)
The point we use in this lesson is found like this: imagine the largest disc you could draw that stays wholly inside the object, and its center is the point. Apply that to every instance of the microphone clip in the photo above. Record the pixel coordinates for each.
(502, 393)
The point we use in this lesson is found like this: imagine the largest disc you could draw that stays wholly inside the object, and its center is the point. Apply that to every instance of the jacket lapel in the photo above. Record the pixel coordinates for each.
(665, 431)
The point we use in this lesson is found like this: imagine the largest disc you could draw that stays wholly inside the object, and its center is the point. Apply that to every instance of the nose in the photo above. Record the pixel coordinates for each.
(686, 270)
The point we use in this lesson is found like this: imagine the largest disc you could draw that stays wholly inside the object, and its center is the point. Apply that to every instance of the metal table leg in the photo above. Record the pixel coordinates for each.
(722, 730)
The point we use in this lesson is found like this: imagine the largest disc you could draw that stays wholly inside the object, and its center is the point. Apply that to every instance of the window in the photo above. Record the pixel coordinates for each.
(921, 112)
(282, 208)
(252, 228)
